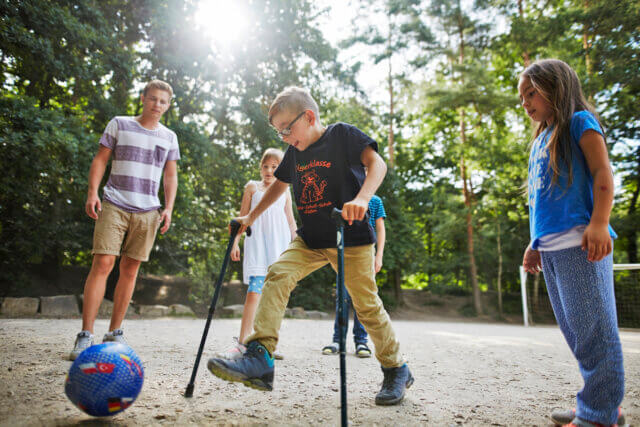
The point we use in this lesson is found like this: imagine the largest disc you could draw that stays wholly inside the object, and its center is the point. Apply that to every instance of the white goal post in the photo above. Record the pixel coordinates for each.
(523, 287)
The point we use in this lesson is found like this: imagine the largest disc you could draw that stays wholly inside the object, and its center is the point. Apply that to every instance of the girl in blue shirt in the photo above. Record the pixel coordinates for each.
(570, 191)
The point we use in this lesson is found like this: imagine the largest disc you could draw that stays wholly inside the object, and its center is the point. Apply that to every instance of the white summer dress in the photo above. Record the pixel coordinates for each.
(270, 236)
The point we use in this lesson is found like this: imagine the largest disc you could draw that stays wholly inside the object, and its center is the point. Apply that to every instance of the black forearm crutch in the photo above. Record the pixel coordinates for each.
(234, 227)
(336, 214)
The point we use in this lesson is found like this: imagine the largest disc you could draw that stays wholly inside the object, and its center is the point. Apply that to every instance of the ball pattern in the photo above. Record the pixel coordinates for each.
(105, 379)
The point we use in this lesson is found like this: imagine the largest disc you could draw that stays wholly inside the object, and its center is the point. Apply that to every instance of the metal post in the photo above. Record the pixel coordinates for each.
(523, 291)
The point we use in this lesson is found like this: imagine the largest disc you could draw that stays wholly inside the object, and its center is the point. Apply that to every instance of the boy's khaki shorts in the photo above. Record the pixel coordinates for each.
(114, 224)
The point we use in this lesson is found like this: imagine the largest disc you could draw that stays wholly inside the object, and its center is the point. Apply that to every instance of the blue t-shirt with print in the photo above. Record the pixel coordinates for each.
(556, 208)
(376, 210)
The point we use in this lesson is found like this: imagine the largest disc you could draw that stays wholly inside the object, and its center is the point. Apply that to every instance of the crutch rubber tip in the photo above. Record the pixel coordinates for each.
(189, 391)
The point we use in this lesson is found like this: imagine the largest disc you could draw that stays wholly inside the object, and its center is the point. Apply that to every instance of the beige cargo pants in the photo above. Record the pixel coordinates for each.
(299, 261)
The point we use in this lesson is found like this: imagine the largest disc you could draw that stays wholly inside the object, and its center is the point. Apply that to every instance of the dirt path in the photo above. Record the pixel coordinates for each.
(466, 373)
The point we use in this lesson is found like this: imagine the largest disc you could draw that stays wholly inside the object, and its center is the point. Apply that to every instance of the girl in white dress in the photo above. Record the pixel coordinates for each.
(271, 234)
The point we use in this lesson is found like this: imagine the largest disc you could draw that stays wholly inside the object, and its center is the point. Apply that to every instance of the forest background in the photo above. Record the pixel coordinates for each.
(446, 116)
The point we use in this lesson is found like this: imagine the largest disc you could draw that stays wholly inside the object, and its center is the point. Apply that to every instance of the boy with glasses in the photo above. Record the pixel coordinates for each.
(326, 167)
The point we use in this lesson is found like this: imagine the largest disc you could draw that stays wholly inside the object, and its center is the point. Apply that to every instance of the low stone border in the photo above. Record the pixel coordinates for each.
(70, 306)
(19, 307)
(235, 311)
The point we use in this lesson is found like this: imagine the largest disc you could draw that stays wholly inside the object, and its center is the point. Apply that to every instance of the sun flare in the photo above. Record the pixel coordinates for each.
(223, 21)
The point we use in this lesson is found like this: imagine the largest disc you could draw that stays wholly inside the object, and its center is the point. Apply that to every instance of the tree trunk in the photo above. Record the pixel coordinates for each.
(397, 288)
(586, 45)
(390, 79)
(499, 284)
(525, 54)
(473, 273)
(53, 257)
(477, 303)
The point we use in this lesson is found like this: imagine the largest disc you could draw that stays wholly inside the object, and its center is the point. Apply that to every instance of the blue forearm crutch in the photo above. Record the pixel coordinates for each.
(234, 227)
(336, 214)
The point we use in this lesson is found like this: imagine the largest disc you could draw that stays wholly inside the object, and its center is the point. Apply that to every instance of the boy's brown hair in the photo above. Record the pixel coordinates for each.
(294, 99)
(158, 84)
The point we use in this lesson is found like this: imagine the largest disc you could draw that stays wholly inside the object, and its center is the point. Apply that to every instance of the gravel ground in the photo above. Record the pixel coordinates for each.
(466, 373)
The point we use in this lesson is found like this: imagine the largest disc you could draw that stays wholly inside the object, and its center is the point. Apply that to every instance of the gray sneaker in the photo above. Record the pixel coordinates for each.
(333, 348)
(117, 335)
(84, 340)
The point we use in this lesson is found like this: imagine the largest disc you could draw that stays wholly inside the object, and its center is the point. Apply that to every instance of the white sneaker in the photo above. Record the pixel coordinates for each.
(234, 352)
(117, 335)
(84, 340)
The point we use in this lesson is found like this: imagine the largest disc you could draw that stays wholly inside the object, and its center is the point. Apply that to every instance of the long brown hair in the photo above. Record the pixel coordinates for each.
(560, 86)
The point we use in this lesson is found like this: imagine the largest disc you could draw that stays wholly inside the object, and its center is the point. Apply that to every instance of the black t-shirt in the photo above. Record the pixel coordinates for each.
(326, 175)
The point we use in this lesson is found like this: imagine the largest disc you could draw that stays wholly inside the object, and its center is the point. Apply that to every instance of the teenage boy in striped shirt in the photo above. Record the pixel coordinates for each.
(143, 152)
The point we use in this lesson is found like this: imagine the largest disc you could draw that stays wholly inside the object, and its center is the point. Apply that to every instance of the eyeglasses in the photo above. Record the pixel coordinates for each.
(287, 131)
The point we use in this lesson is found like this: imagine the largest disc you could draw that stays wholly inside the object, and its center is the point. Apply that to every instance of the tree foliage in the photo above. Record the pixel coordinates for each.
(460, 139)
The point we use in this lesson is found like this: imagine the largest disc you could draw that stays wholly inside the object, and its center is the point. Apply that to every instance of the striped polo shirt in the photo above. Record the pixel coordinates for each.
(139, 157)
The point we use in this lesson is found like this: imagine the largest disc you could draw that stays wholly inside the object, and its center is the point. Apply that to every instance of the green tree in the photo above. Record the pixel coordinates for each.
(402, 32)
(43, 189)
(463, 86)
(56, 62)
(611, 49)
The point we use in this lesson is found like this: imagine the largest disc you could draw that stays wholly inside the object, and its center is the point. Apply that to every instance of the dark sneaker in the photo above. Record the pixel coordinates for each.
(254, 369)
(362, 350)
(84, 340)
(332, 348)
(117, 335)
(579, 422)
(396, 380)
(563, 417)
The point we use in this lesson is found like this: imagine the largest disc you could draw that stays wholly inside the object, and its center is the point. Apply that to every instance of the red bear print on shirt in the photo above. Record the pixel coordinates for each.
(311, 189)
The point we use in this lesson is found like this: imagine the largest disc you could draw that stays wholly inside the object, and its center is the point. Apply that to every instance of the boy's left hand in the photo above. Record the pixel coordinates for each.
(597, 241)
(354, 210)
(166, 217)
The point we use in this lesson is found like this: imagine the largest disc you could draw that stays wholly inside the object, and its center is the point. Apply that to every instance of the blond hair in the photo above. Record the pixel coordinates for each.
(158, 84)
(272, 153)
(294, 99)
(559, 85)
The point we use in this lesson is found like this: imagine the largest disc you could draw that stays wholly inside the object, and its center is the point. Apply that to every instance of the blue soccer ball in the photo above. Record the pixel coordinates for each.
(105, 379)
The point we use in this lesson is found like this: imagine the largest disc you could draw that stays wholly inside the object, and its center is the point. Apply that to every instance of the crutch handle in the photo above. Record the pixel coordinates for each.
(234, 226)
(336, 216)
